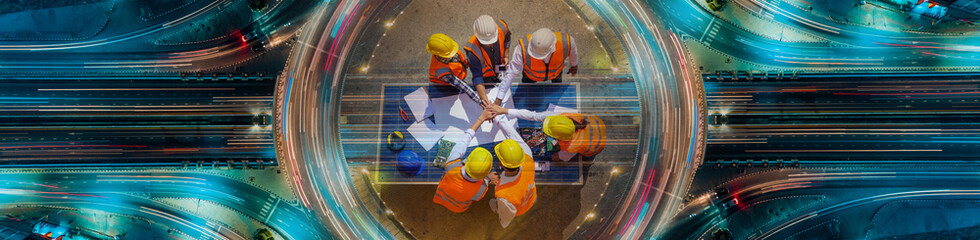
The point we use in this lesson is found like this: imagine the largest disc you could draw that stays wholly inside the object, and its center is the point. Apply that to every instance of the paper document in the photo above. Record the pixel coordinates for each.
(455, 134)
(419, 104)
(450, 112)
(425, 133)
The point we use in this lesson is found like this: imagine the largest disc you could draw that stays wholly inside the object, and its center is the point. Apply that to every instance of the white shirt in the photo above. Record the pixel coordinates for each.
(460, 148)
(530, 115)
(516, 65)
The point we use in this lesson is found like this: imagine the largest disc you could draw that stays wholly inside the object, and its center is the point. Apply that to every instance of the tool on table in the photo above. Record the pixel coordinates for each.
(403, 114)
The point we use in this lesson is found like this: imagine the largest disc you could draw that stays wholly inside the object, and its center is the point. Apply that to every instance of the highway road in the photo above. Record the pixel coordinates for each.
(845, 46)
(142, 120)
(137, 194)
(869, 118)
(848, 196)
(163, 120)
(131, 47)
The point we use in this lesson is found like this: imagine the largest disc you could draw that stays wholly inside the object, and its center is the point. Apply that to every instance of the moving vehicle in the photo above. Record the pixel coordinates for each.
(716, 5)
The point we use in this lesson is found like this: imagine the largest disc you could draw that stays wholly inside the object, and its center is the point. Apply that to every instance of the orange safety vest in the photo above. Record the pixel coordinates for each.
(521, 192)
(476, 48)
(456, 193)
(539, 70)
(438, 69)
(588, 141)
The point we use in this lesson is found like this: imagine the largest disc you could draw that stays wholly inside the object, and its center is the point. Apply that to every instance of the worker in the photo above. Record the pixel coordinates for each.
(515, 192)
(578, 135)
(466, 181)
(448, 65)
(540, 57)
(487, 53)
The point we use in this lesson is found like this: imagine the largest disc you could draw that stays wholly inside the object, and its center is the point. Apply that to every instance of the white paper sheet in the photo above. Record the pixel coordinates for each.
(449, 111)
(419, 104)
(492, 95)
(455, 134)
(426, 133)
(560, 109)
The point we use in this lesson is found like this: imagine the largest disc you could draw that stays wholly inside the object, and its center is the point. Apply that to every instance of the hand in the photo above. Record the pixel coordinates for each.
(494, 178)
(486, 115)
(496, 110)
(485, 103)
(573, 70)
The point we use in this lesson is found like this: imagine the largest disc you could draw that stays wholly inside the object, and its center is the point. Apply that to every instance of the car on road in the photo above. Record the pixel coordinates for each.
(263, 234)
(729, 206)
(250, 36)
(258, 47)
(716, 5)
(722, 192)
(718, 119)
(261, 120)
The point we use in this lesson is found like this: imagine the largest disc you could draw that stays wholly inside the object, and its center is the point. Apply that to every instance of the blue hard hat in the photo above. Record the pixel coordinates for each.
(409, 163)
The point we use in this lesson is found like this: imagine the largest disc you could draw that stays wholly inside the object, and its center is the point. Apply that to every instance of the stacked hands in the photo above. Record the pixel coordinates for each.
(491, 111)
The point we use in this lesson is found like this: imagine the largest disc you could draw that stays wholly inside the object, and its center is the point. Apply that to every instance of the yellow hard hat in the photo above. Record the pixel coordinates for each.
(510, 153)
(559, 127)
(478, 163)
(442, 46)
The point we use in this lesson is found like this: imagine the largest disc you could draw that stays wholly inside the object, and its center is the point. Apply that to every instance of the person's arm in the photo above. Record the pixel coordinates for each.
(505, 211)
(572, 52)
(460, 148)
(572, 57)
(462, 87)
(482, 91)
(476, 68)
(521, 113)
(510, 133)
(514, 69)
(506, 45)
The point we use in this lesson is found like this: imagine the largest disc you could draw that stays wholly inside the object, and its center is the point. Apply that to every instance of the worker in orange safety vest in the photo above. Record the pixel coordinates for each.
(486, 52)
(578, 134)
(466, 182)
(515, 192)
(448, 65)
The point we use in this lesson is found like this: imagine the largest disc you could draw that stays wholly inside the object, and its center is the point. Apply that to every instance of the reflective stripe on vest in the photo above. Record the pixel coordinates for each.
(457, 194)
(438, 69)
(521, 192)
(539, 70)
(476, 48)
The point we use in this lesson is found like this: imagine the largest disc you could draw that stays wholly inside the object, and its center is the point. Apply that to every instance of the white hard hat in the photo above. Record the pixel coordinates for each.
(542, 43)
(485, 29)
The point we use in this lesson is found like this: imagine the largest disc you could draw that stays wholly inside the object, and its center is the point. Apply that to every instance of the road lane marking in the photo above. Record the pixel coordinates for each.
(707, 28)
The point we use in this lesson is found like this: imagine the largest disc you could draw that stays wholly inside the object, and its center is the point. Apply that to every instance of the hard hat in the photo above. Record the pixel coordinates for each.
(396, 141)
(485, 29)
(510, 153)
(542, 43)
(478, 163)
(409, 163)
(559, 127)
(442, 46)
